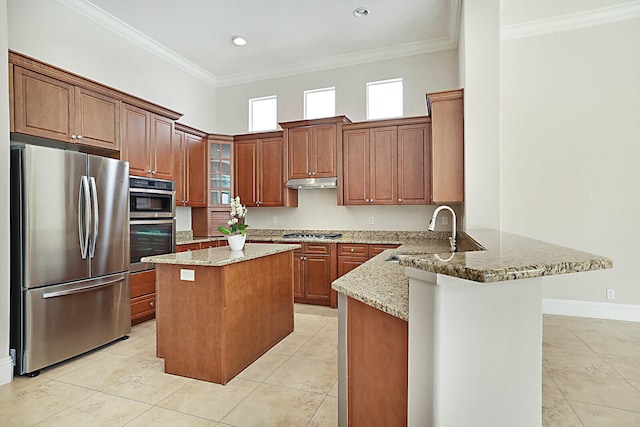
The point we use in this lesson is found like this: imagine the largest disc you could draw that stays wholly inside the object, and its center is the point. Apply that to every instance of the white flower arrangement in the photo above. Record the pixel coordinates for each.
(236, 222)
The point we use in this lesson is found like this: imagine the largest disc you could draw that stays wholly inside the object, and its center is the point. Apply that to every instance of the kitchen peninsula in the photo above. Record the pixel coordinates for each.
(219, 310)
(457, 336)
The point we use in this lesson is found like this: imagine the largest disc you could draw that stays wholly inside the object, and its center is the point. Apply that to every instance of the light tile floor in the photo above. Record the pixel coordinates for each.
(591, 377)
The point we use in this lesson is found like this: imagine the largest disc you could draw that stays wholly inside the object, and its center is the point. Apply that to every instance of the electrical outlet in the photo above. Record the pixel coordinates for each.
(445, 220)
(275, 219)
(611, 294)
(371, 220)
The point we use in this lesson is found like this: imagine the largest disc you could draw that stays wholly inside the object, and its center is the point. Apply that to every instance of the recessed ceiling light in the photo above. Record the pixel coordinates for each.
(239, 41)
(361, 12)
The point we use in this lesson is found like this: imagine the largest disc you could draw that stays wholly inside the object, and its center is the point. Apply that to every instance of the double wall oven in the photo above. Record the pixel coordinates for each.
(152, 212)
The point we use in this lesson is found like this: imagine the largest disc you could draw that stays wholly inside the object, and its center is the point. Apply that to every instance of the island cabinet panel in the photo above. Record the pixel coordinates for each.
(143, 296)
(377, 380)
(447, 138)
(47, 107)
(214, 327)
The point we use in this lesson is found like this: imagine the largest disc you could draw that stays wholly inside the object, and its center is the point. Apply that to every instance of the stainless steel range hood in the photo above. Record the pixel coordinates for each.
(312, 183)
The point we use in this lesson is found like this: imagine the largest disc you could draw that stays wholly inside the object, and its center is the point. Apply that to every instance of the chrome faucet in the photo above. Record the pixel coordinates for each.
(432, 225)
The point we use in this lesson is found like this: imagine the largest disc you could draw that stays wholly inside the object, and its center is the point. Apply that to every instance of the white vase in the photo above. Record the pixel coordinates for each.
(236, 241)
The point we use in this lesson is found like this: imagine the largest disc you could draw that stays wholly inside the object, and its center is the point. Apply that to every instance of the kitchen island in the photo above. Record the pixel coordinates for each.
(458, 337)
(219, 310)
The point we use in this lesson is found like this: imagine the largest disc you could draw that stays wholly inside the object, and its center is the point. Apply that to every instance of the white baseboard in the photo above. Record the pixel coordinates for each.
(6, 370)
(598, 310)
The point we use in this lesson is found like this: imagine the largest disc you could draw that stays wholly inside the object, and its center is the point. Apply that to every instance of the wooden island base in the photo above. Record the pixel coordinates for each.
(215, 326)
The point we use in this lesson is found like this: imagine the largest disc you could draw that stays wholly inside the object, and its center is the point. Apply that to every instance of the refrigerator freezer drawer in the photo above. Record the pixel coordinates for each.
(63, 321)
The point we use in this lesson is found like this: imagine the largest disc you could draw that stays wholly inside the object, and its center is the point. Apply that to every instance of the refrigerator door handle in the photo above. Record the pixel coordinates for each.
(82, 289)
(95, 215)
(83, 209)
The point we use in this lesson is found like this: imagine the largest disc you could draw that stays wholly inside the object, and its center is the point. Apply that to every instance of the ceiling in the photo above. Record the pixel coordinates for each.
(284, 37)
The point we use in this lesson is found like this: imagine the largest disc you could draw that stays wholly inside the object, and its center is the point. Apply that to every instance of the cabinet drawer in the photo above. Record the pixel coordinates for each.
(207, 245)
(143, 306)
(142, 283)
(353, 249)
(188, 247)
(316, 248)
(375, 249)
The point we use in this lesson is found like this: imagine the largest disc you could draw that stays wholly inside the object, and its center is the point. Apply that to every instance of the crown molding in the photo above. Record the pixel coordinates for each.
(115, 25)
(574, 21)
(341, 61)
(112, 23)
(364, 57)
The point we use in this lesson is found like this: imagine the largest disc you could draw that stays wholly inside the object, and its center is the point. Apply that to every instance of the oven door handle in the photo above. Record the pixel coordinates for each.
(150, 191)
(151, 221)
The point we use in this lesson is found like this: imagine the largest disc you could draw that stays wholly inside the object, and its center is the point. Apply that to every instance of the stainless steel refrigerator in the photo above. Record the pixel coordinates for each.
(69, 254)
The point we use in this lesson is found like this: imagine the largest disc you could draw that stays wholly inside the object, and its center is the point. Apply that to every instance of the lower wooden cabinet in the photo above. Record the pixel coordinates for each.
(314, 268)
(200, 245)
(143, 296)
(351, 255)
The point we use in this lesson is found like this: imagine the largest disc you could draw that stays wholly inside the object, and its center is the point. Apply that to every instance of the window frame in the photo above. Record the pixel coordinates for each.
(262, 98)
(324, 89)
(382, 82)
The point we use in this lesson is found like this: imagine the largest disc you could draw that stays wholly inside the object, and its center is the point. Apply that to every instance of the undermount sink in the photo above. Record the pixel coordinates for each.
(464, 245)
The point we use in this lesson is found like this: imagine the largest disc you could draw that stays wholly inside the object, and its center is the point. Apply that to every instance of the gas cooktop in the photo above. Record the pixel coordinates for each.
(312, 236)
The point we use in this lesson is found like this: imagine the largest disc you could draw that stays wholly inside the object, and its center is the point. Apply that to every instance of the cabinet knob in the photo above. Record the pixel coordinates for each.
(79, 136)
(353, 250)
(73, 137)
(151, 303)
(399, 200)
(313, 173)
(370, 200)
(149, 171)
(153, 172)
(309, 173)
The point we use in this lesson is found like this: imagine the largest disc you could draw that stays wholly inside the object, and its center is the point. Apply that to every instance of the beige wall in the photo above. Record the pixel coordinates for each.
(318, 208)
(6, 369)
(570, 149)
(420, 74)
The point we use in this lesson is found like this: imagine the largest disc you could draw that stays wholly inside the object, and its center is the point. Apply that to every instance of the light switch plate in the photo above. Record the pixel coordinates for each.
(187, 275)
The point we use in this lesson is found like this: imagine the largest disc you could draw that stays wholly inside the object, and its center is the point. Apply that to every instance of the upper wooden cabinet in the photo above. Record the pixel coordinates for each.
(259, 177)
(219, 181)
(190, 166)
(147, 143)
(447, 139)
(50, 108)
(386, 162)
(49, 102)
(314, 147)
(220, 169)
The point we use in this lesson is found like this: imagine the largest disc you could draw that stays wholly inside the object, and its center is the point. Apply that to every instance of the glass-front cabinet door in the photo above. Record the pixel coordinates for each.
(220, 172)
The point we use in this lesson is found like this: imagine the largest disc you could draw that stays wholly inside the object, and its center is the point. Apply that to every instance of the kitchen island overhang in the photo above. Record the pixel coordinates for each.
(219, 310)
(474, 327)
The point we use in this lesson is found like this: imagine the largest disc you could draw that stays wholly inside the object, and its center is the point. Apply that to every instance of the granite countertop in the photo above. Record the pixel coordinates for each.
(218, 257)
(506, 256)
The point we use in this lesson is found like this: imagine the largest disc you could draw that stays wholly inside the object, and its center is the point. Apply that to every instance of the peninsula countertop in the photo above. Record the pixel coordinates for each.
(383, 285)
(218, 257)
